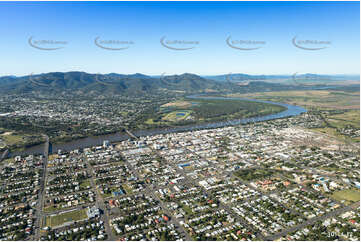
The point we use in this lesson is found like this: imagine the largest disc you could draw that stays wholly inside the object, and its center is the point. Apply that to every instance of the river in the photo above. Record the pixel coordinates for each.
(292, 110)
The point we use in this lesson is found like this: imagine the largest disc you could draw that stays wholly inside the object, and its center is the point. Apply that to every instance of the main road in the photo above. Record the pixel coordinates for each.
(100, 204)
(40, 204)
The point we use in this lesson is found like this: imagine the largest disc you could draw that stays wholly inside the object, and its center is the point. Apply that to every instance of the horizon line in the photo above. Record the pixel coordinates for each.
(171, 74)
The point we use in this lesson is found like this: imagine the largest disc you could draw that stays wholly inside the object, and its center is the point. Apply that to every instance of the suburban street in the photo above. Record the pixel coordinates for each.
(298, 227)
(100, 204)
(164, 208)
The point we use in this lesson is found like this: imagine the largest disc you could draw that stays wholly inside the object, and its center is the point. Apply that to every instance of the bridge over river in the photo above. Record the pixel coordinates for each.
(291, 110)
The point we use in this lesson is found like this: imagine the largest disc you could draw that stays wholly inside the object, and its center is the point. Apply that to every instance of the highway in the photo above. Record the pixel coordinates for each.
(40, 204)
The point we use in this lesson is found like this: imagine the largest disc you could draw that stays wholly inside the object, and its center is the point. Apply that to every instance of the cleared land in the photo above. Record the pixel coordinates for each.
(85, 183)
(57, 220)
(348, 195)
(9, 138)
(14, 139)
(179, 104)
(350, 117)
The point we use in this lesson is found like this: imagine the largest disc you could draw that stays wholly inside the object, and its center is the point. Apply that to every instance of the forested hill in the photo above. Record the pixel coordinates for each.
(82, 83)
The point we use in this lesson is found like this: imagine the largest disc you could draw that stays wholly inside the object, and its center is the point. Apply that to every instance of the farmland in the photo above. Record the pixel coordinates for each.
(323, 99)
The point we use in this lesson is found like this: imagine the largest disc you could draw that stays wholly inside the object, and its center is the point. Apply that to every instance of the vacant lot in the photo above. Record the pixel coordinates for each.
(253, 174)
(352, 195)
(53, 221)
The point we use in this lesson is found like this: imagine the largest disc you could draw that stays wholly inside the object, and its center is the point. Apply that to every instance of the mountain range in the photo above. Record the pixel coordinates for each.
(139, 84)
(81, 82)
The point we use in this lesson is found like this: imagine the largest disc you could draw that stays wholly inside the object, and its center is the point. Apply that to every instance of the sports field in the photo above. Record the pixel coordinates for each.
(352, 195)
(59, 219)
(177, 115)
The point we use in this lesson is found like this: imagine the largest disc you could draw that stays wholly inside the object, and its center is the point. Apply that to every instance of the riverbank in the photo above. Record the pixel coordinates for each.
(291, 110)
(193, 111)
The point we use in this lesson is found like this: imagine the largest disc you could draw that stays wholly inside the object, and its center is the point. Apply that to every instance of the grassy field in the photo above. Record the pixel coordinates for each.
(350, 117)
(251, 174)
(53, 156)
(171, 112)
(52, 208)
(313, 98)
(194, 110)
(53, 221)
(352, 195)
(127, 189)
(337, 122)
(10, 138)
(16, 140)
(178, 104)
(329, 131)
(176, 116)
(85, 183)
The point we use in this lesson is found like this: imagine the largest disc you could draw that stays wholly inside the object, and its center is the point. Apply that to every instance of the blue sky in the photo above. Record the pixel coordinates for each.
(208, 23)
